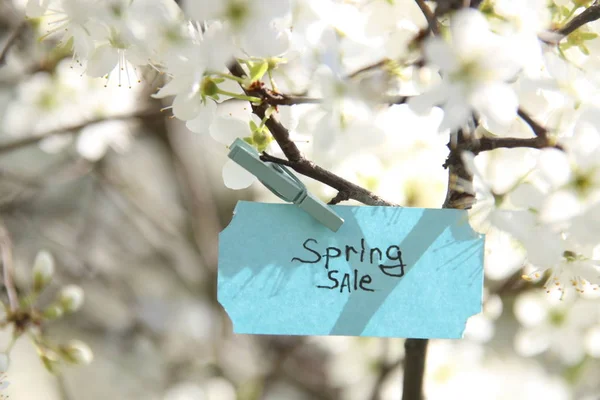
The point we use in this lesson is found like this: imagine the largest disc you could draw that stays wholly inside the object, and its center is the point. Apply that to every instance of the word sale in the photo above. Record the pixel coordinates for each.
(353, 256)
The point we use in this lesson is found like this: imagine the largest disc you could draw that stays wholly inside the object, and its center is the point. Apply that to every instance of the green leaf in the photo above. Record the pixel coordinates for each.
(261, 138)
(257, 70)
(54, 311)
(566, 46)
(588, 35)
(253, 126)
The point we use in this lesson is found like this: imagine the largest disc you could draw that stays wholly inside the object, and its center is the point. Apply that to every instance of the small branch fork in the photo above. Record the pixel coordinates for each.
(590, 14)
(432, 22)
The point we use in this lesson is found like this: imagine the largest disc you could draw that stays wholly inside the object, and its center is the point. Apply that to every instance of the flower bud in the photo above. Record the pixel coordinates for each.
(50, 361)
(71, 298)
(53, 312)
(43, 270)
(209, 87)
(77, 352)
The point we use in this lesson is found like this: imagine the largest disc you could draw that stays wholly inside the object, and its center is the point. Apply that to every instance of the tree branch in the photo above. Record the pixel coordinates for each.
(339, 197)
(540, 141)
(590, 14)
(28, 140)
(296, 159)
(350, 190)
(537, 129)
(414, 368)
(269, 158)
(487, 144)
(280, 99)
(429, 16)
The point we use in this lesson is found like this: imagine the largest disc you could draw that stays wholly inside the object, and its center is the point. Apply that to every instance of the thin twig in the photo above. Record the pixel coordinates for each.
(538, 129)
(478, 145)
(280, 99)
(398, 100)
(32, 139)
(12, 39)
(540, 141)
(590, 14)
(429, 16)
(339, 197)
(487, 144)
(269, 158)
(8, 267)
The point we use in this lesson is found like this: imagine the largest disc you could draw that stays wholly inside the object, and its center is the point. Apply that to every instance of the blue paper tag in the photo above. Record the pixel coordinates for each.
(388, 271)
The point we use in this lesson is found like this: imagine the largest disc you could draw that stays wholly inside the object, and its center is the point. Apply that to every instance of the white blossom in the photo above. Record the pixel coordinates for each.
(253, 23)
(71, 298)
(476, 67)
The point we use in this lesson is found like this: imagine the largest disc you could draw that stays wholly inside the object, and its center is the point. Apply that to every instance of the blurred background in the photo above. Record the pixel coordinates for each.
(130, 204)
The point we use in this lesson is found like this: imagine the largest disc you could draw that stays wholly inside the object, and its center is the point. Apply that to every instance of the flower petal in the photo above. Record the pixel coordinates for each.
(187, 106)
(423, 103)
(202, 122)
(175, 86)
(470, 32)
(561, 206)
(530, 342)
(440, 53)
(226, 129)
(456, 110)
(102, 61)
(496, 101)
(36, 8)
(236, 177)
(527, 196)
(554, 167)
